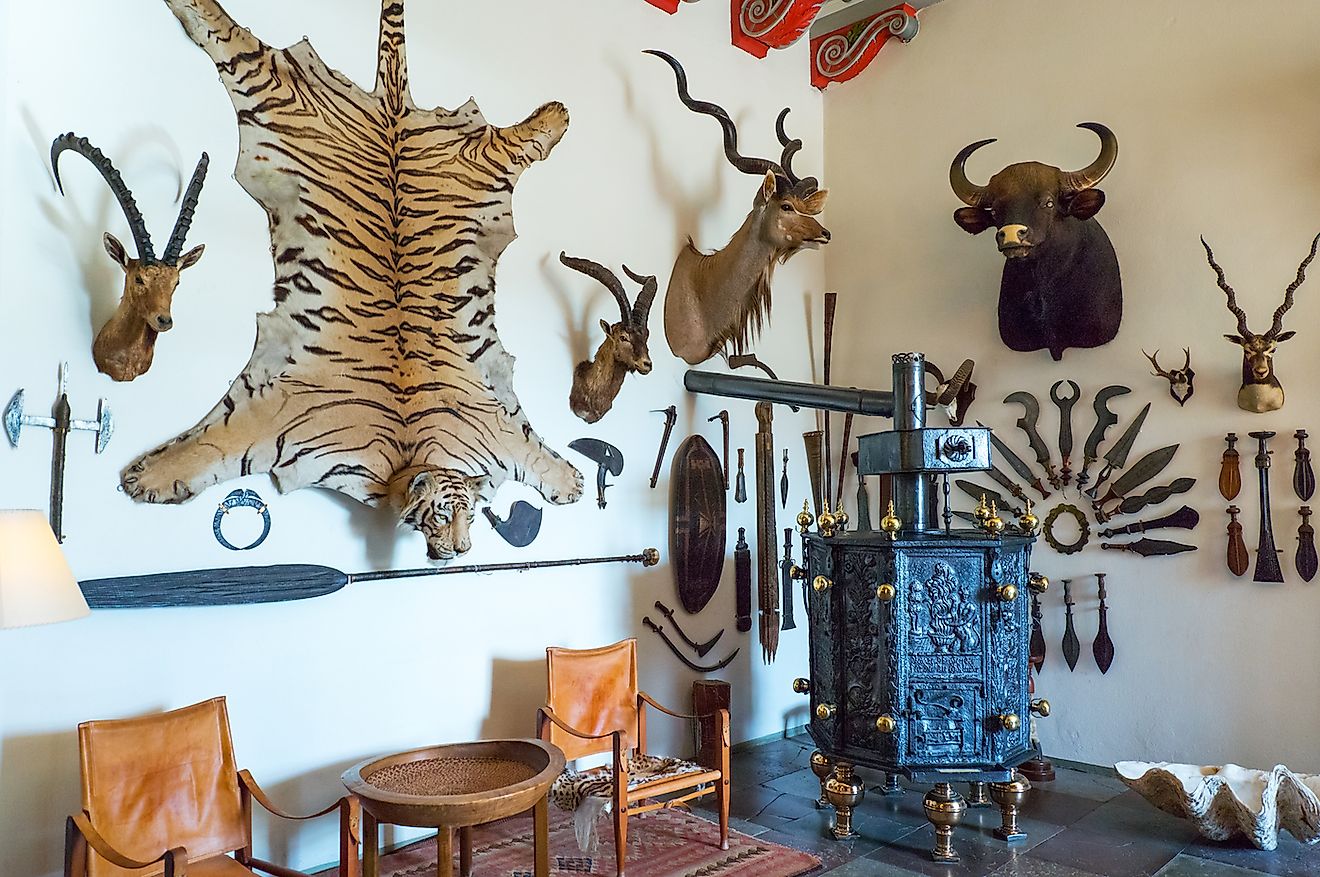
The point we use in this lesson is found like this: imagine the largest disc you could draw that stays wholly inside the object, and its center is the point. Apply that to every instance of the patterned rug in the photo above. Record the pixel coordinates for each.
(664, 843)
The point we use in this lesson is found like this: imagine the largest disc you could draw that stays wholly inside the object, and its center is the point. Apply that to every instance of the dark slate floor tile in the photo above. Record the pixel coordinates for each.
(1030, 866)
(1291, 859)
(977, 856)
(802, 783)
(1107, 853)
(1133, 820)
(746, 802)
(1086, 785)
(832, 853)
(866, 868)
(790, 806)
(877, 828)
(1061, 808)
(1184, 865)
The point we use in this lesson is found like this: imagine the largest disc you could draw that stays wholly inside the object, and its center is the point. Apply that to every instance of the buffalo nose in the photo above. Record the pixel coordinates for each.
(164, 323)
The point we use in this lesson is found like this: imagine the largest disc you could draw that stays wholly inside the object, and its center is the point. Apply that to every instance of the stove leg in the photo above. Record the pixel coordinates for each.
(1010, 797)
(891, 786)
(945, 809)
(821, 766)
(976, 796)
(845, 791)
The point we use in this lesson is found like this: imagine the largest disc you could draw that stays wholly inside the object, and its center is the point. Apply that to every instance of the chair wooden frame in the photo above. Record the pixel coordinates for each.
(640, 799)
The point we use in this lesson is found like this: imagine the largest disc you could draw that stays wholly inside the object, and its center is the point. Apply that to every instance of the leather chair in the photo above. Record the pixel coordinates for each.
(594, 707)
(161, 795)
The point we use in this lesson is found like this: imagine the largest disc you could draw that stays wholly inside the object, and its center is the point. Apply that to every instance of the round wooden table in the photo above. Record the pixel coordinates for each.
(457, 785)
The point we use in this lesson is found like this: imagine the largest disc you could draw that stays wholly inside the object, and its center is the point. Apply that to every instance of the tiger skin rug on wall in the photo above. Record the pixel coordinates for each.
(378, 373)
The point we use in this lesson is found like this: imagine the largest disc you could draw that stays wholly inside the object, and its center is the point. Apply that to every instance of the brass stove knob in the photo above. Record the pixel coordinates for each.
(1041, 707)
(886, 724)
(1010, 722)
(1007, 593)
(820, 584)
(1038, 583)
(804, 518)
(796, 572)
(803, 686)
(886, 592)
(825, 711)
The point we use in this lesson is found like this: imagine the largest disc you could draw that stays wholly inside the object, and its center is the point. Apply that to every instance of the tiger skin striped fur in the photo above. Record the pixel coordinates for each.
(378, 373)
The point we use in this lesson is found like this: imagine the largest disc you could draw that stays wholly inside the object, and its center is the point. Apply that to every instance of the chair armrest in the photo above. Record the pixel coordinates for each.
(250, 786)
(569, 729)
(643, 697)
(79, 829)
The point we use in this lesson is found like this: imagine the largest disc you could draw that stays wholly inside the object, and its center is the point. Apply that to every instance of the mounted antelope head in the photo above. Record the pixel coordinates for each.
(124, 347)
(1180, 379)
(1261, 390)
(597, 381)
(719, 301)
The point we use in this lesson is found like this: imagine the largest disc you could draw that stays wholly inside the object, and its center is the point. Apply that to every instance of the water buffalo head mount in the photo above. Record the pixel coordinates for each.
(719, 301)
(125, 345)
(1060, 286)
(1261, 390)
(597, 381)
(1180, 379)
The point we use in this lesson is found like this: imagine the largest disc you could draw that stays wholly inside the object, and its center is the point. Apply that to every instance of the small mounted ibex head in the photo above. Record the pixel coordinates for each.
(625, 349)
(1261, 390)
(1180, 379)
(124, 347)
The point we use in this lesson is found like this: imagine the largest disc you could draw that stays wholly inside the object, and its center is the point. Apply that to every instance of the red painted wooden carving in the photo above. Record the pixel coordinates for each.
(761, 25)
(840, 55)
(670, 6)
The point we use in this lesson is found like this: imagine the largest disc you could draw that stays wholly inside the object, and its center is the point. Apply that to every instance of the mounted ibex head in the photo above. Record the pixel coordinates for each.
(721, 300)
(597, 381)
(1180, 379)
(1261, 390)
(124, 347)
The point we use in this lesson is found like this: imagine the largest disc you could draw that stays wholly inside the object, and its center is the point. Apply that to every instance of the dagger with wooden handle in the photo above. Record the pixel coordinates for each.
(1027, 423)
(1230, 474)
(1149, 547)
(1238, 560)
(1186, 518)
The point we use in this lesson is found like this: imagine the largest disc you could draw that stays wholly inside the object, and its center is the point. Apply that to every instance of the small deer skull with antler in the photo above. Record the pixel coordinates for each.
(1180, 379)
(597, 381)
(124, 347)
(1261, 390)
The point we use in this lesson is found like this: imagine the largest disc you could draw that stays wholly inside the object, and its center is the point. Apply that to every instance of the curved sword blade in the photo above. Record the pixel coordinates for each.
(1021, 468)
(1104, 418)
(1027, 423)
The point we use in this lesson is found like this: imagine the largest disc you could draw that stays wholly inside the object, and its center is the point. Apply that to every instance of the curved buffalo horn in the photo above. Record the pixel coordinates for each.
(1075, 181)
(605, 277)
(1277, 326)
(1228, 291)
(747, 165)
(81, 145)
(641, 311)
(175, 245)
(970, 194)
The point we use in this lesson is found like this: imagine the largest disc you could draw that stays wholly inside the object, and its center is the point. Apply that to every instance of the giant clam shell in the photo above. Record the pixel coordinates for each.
(1230, 800)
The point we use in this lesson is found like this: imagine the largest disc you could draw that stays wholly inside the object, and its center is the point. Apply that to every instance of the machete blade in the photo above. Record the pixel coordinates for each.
(1021, 468)
(1027, 423)
(1142, 471)
(1104, 418)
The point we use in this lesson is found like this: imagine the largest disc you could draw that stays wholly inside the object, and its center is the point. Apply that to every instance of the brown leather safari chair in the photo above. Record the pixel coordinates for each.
(593, 707)
(161, 795)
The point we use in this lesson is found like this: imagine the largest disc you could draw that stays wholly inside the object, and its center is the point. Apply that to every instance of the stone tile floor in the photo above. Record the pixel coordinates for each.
(1080, 825)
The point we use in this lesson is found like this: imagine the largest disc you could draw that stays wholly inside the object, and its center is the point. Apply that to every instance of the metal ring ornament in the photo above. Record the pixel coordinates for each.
(239, 499)
(1084, 529)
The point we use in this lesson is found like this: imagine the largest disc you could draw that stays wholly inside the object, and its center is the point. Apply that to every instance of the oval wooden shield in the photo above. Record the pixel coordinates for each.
(697, 514)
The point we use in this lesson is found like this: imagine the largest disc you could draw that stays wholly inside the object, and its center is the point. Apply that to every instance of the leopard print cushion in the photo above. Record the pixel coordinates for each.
(573, 787)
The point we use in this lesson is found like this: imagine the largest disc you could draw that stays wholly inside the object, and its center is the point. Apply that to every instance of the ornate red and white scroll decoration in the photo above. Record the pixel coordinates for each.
(841, 54)
(670, 6)
(761, 25)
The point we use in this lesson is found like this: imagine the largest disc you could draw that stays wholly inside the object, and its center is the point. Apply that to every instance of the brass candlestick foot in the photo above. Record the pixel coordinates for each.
(845, 791)
(822, 767)
(976, 795)
(1010, 797)
(944, 808)
(891, 786)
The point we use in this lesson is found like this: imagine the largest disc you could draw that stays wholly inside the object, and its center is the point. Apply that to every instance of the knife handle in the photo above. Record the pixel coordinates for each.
(1230, 474)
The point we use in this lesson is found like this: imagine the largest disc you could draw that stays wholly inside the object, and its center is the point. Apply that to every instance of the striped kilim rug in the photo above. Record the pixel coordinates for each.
(664, 843)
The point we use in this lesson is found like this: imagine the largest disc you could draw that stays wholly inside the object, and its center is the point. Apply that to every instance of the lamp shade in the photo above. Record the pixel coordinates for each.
(36, 584)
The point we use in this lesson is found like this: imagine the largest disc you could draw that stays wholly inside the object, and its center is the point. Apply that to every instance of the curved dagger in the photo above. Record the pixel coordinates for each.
(1027, 423)
(1186, 518)
(1104, 418)
(1015, 461)
(700, 648)
(1065, 404)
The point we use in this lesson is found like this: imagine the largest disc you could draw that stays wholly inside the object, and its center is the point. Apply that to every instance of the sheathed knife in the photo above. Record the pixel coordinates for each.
(1116, 457)
(977, 492)
(1027, 423)
(1104, 418)
(1142, 471)
(1021, 468)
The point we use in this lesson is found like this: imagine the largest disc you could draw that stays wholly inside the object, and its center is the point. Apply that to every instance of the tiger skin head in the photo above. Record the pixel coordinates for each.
(441, 504)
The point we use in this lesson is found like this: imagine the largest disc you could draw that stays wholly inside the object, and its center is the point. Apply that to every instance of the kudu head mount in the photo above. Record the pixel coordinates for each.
(124, 346)
(719, 301)
(1261, 390)
(597, 381)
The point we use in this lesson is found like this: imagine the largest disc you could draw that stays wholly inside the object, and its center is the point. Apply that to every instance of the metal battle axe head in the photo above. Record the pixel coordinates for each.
(608, 460)
(522, 525)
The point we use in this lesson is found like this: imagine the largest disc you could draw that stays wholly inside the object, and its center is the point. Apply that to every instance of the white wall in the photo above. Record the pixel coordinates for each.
(1217, 111)
(315, 686)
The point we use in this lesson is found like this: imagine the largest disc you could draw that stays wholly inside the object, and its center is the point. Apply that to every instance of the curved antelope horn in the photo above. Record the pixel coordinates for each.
(605, 277)
(967, 192)
(747, 165)
(1093, 173)
(81, 145)
(1154, 361)
(1228, 291)
(1277, 326)
(175, 246)
(804, 186)
(641, 311)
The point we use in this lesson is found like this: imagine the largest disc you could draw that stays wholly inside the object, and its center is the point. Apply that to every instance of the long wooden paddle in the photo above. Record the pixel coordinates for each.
(284, 581)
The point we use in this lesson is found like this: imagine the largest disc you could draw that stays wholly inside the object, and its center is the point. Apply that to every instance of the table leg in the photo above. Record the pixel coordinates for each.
(444, 852)
(465, 851)
(370, 845)
(541, 836)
